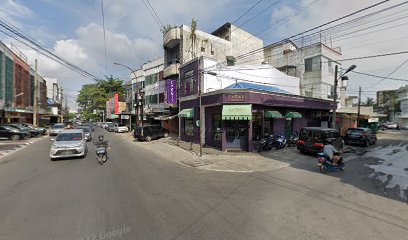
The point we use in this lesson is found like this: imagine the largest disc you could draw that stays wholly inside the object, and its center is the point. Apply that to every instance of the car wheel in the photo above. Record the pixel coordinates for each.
(166, 135)
(148, 138)
(52, 159)
(15, 137)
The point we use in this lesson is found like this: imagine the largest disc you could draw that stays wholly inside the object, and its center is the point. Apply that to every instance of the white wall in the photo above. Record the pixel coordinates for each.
(255, 74)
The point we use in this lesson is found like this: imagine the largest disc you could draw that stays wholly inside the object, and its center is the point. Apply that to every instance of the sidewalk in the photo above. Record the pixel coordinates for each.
(212, 159)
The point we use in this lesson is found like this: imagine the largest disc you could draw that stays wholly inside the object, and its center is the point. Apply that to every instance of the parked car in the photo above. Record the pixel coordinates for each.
(362, 136)
(32, 132)
(110, 127)
(87, 131)
(69, 143)
(120, 127)
(106, 124)
(403, 126)
(13, 133)
(313, 139)
(391, 125)
(90, 125)
(56, 128)
(149, 132)
(42, 130)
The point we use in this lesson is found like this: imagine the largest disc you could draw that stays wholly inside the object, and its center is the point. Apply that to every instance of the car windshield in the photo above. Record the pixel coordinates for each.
(69, 137)
(56, 126)
(313, 134)
(87, 130)
(121, 125)
(354, 131)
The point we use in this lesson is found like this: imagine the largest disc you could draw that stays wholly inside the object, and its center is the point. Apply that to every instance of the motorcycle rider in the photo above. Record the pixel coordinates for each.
(331, 152)
(101, 142)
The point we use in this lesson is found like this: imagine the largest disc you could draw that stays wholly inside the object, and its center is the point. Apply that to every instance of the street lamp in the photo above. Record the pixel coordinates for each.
(18, 95)
(136, 91)
(336, 81)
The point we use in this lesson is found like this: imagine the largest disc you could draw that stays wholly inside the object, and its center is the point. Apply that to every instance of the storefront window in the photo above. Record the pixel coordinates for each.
(216, 127)
(256, 126)
(188, 127)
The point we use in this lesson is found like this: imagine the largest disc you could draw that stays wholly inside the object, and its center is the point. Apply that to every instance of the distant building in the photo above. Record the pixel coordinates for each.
(387, 103)
(313, 64)
(403, 101)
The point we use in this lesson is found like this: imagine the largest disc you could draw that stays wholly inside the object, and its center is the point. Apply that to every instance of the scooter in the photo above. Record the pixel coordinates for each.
(280, 142)
(102, 156)
(101, 151)
(266, 143)
(325, 164)
(293, 139)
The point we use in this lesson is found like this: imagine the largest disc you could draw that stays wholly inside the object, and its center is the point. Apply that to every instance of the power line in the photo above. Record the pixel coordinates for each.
(393, 71)
(24, 38)
(152, 14)
(155, 13)
(260, 13)
(376, 76)
(247, 11)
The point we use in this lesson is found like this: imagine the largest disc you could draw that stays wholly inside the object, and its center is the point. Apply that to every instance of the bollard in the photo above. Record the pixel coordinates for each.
(191, 146)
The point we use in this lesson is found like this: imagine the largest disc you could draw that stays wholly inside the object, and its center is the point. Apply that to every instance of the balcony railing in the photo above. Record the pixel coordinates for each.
(172, 69)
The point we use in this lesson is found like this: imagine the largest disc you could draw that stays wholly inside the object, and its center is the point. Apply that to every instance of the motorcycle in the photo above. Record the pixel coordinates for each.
(266, 143)
(280, 142)
(101, 151)
(325, 164)
(293, 139)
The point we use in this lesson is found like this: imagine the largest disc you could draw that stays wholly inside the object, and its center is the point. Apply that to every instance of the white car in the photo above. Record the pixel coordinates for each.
(120, 127)
(69, 143)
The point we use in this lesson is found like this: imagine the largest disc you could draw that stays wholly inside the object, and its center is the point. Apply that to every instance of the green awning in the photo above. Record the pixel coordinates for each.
(293, 115)
(237, 112)
(186, 113)
(273, 114)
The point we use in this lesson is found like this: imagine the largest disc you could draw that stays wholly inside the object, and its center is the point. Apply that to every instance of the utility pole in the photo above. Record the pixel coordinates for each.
(62, 113)
(336, 81)
(200, 111)
(35, 110)
(359, 105)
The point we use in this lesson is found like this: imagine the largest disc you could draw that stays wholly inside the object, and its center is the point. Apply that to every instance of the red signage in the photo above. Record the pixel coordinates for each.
(117, 103)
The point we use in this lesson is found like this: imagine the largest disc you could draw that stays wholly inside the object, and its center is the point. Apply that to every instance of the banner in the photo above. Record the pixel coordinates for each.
(171, 91)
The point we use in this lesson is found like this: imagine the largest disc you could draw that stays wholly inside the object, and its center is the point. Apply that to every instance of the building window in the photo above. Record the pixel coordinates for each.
(189, 83)
(153, 78)
(216, 127)
(312, 64)
(188, 126)
(161, 98)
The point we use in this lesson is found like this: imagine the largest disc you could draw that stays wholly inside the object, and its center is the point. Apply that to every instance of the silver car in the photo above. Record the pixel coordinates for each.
(56, 128)
(69, 143)
(87, 131)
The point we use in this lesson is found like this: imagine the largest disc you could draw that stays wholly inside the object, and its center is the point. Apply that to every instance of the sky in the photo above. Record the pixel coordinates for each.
(73, 30)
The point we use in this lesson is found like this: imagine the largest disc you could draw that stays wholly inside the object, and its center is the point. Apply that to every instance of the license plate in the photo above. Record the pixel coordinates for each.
(66, 153)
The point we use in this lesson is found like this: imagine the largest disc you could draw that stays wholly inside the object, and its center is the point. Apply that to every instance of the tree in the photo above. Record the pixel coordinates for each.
(94, 96)
(369, 101)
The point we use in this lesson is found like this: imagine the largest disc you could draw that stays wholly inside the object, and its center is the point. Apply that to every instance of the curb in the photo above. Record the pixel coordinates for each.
(19, 147)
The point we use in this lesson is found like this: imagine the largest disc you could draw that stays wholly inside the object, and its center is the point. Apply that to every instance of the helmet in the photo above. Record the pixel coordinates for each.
(100, 138)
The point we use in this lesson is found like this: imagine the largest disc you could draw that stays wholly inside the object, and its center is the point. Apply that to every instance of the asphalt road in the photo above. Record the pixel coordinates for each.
(139, 195)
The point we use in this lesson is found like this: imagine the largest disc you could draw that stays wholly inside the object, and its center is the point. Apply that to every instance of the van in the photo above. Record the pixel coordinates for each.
(313, 139)
(149, 132)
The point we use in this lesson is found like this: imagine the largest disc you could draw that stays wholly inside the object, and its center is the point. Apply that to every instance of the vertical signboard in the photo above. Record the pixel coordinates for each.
(171, 91)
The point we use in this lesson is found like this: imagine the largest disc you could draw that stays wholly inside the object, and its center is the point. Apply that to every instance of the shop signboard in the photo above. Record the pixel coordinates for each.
(237, 97)
(171, 91)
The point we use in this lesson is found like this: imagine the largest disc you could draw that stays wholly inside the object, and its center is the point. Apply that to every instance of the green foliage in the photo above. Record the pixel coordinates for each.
(94, 96)
(165, 28)
(369, 101)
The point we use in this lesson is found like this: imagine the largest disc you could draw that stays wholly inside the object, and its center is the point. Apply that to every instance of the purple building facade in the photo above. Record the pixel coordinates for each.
(236, 119)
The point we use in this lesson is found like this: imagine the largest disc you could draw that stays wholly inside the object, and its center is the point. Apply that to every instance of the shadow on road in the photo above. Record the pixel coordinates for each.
(360, 165)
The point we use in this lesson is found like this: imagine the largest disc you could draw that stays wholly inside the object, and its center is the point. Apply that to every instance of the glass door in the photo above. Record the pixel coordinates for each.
(237, 134)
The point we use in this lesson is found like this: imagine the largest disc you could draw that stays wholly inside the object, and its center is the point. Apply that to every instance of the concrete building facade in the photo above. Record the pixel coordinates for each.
(228, 40)
(403, 101)
(313, 64)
